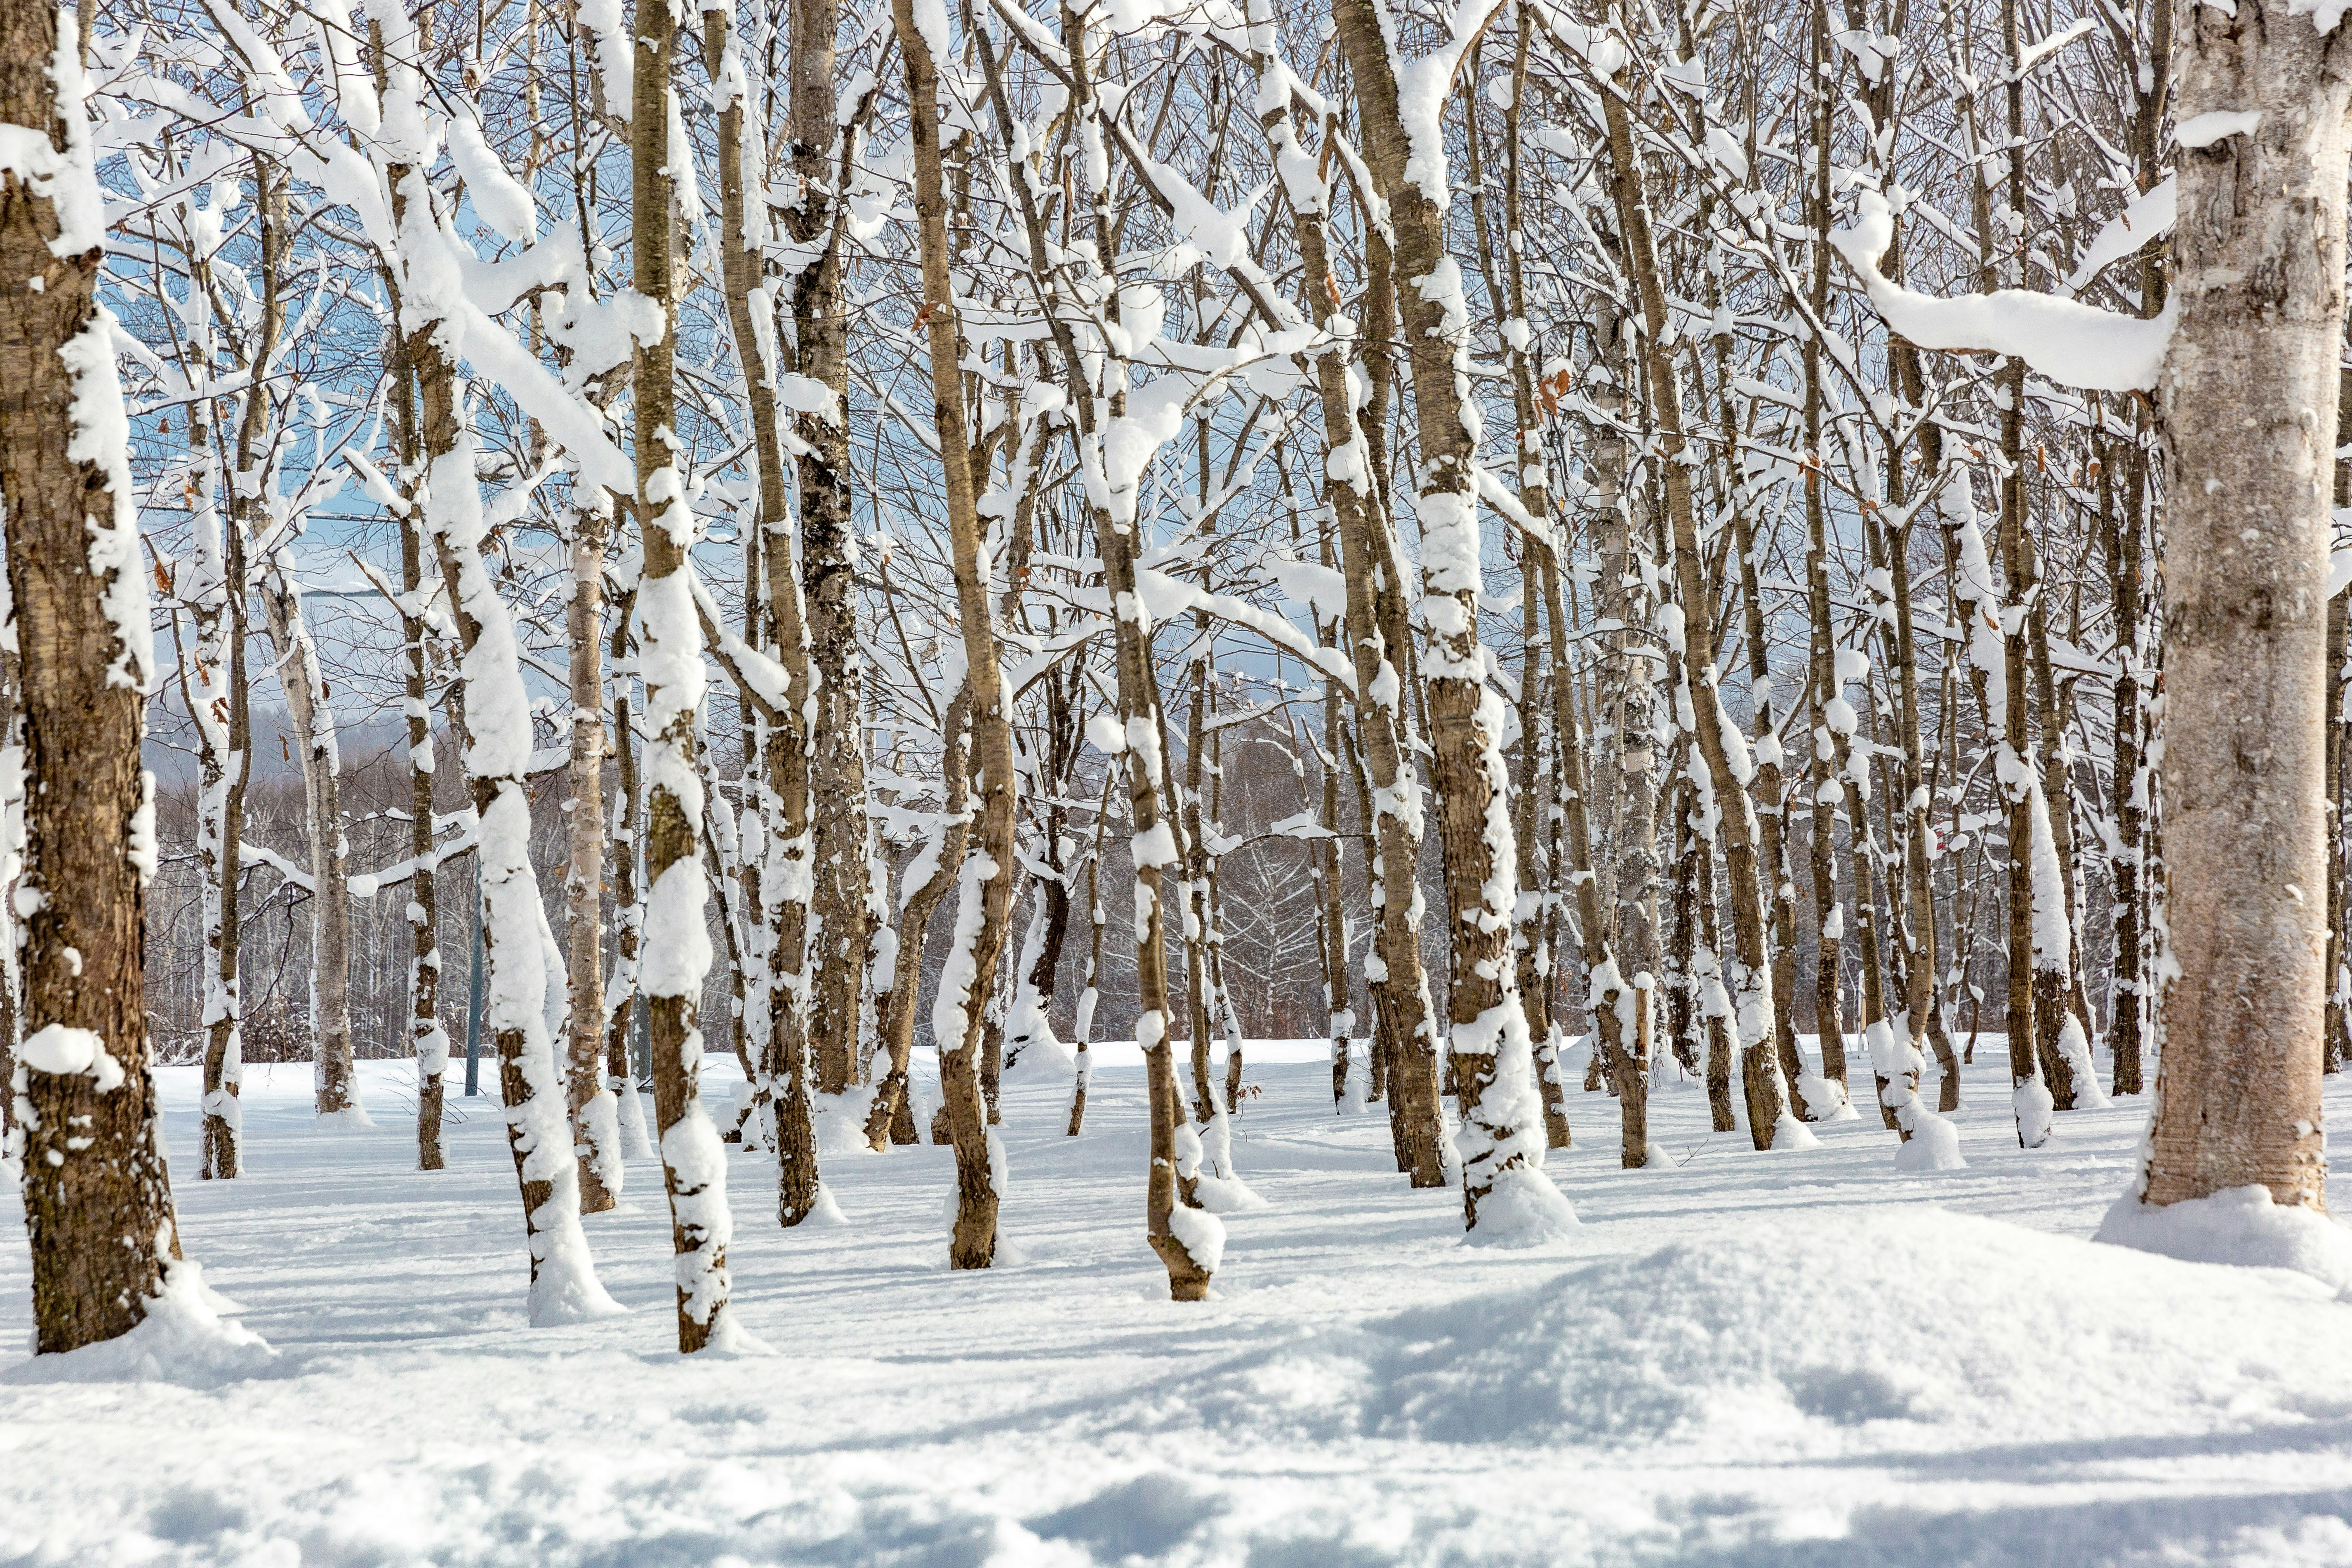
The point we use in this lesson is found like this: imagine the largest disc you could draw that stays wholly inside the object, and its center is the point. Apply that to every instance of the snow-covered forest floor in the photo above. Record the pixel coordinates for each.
(1796, 1358)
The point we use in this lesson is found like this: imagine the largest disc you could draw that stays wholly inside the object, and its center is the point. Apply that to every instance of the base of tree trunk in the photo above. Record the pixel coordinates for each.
(1756, 1073)
(1187, 1280)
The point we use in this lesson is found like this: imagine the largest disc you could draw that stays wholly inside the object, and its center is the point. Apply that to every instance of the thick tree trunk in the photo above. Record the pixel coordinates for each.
(2249, 388)
(2332, 1041)
(98, 1200)
(12, 976)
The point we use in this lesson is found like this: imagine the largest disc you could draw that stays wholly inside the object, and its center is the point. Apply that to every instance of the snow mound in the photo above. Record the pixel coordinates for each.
(1225, 1195)
(826, 1212)
(1043, 1057)
(1523, 1210)
(728, 1337)
(1934, 1145)
(183, 1340)
(1790, 1133)
(1824, 1100)
(2032, 1102)
(2077, 1049)
(1771, 1340)
(2239, 1225)
(839, 1122)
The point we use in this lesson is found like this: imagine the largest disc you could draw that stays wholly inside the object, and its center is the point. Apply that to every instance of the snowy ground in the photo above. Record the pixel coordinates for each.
(1790, 1358)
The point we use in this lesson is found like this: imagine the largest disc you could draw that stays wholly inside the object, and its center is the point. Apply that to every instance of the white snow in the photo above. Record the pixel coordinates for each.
(2070, 343)
(2204, 130)
(2239, 1226)
(65, 1051)
(184, 1338)
(2147, 215)
(1805, 1357)
(1203, 1234)
(2077, 1052)
(503, 201)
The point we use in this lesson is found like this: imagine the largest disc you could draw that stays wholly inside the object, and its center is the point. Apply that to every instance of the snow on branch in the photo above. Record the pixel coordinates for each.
(2064, 341)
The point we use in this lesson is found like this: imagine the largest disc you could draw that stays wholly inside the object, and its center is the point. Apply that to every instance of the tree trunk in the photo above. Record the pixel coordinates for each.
(781, 733)
(890, 1110)
(669, 642)
(428, 1041)
(1751, 987)
(1501, 1139)
(217, 698)
(312, 721)
(594, 1110)
(838, 935)
(1404, 1062)
(1833, 717)
(1083, 1025)
(495, 738)
(621, 1070)
(98, 1200)
(1375, 625)
(2250, 387)
(986, 878)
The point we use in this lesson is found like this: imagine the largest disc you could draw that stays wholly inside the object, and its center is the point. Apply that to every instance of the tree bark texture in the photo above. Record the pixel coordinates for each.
(98, 1199)
(2249, 391)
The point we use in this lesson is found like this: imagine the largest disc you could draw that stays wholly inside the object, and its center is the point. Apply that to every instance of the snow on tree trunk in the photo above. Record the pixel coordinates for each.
(839, 937)
(675, 955)
(621, 997)
(1501, 1140)
(497, 740)
(98, 1199)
